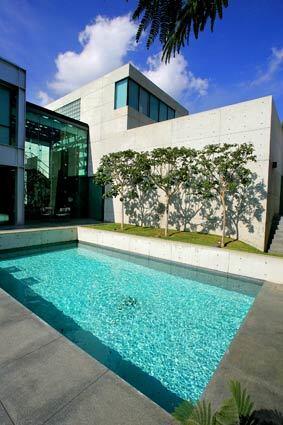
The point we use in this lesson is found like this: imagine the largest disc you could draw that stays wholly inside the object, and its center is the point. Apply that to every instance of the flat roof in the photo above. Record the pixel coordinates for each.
(61, 117)
(11, 63)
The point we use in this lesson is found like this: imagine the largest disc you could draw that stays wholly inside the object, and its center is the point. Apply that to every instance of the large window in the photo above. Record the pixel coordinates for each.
(128, 92)
(133, 95)
(121, 93)
(56, 182)
(7, 116)
(144, 102)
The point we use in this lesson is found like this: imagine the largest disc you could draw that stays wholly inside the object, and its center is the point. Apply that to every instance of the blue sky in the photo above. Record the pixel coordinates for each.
(64, 44)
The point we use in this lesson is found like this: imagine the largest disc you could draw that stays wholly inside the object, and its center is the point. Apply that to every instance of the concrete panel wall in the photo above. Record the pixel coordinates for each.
(26, 238)
(247, 122)
(274, 173)
(264, 267)
(97, 107)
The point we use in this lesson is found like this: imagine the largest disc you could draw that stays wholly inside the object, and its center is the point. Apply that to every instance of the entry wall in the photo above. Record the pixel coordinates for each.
(247, 122)
(13, 156)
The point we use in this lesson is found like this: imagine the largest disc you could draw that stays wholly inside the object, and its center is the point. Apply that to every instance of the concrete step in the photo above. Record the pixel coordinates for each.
(276, 248)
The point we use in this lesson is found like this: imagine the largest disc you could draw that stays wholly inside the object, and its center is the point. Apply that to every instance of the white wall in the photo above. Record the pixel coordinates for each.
(252, 122)
(275, 174)
(247, 122)
(221, 260)
(97, 107)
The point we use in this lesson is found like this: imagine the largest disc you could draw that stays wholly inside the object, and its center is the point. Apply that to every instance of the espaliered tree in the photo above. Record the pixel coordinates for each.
(140, 181)
(168, 171)
(115, 173)
(224, 169)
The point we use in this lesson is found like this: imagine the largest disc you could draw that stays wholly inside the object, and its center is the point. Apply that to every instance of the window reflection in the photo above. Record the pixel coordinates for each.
(55, 167)
(128, 92)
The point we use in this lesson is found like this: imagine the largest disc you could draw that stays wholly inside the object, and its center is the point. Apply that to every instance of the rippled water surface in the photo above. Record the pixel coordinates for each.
(162, 328)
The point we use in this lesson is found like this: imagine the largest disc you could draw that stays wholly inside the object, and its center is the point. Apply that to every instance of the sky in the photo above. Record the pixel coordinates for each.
(65, 44)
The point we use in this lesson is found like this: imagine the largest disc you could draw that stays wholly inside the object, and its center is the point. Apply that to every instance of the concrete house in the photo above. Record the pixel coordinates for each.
(65, 141)
(122, 112)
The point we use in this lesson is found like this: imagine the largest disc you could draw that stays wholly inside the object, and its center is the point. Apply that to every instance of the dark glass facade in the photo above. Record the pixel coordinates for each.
(7, 195)
(7, 115)
(128, 92)
(56, 155)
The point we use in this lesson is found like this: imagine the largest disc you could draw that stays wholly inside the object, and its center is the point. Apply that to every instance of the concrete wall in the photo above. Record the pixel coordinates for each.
(254, 122)
(247, 122)
(220, 260)
(97, 107)
(14, 239)
(13, 156)
(274, 174)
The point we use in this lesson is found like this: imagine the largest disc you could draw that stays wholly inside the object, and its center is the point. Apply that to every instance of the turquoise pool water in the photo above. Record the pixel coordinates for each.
(162, 328)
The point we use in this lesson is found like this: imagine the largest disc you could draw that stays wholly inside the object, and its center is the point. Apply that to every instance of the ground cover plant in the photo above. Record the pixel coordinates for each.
(236, 410)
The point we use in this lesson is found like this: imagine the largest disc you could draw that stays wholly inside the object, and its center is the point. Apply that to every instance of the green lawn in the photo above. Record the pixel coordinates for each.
(174, 235)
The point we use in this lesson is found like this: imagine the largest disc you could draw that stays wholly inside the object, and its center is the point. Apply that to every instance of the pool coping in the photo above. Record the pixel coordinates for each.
(254, 356)
(68, 386)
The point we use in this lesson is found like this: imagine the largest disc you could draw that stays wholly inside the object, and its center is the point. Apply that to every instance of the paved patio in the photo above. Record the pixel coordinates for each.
(255, 357)
(45, 379)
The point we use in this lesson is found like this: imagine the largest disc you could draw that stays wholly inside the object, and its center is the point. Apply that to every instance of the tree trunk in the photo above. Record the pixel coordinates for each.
(122, 214)
(223, 219)
(166, 217)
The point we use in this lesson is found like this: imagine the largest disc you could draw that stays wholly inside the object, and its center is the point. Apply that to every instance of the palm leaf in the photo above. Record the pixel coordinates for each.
(183, 411)
(201, 415)
(242, 399)
(228, 413)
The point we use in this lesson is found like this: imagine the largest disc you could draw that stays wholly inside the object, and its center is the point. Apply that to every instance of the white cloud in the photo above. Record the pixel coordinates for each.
(274, 64)
(105, 43)
(44, 98)
(175, 78)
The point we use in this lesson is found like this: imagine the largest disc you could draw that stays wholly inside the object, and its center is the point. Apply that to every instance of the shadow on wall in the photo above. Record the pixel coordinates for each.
(145, 209)
(192, 212)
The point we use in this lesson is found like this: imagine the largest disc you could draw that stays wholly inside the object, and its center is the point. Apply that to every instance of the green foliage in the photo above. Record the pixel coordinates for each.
(236, 410)
(242, 399)
(172, 21)
(170, 168)
(218, 172)
(115, 172)
(201, 415)
(183, 411)
(224, 170)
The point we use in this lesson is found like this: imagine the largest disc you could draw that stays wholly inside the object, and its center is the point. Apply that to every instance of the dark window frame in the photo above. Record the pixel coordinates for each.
(13, 99)
(149, 95)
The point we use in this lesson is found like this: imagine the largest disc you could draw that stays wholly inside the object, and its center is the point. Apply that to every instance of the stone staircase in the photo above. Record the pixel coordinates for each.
(276, 243)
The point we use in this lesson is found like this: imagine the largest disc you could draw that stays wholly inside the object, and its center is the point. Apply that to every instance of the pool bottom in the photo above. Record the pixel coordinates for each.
(86, 340)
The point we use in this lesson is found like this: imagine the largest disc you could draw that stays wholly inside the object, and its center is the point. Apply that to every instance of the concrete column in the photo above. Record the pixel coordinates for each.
(19, 198)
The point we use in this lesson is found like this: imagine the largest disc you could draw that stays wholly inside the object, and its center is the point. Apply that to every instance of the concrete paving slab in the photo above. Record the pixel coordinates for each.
(47, 379)
(255, 356)
(36, 385)
(111, 401)
(10, 312)
(4, 418)
(20, 336)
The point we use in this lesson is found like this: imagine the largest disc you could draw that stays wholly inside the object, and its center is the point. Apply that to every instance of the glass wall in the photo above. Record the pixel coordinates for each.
(56, 182)
(7, 115)
(7, 195)
(128, 92)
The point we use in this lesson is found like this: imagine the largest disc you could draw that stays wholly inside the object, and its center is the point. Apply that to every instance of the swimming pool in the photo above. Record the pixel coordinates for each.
(162, 327)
